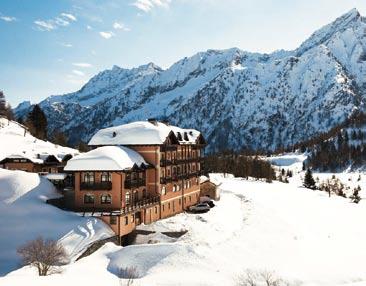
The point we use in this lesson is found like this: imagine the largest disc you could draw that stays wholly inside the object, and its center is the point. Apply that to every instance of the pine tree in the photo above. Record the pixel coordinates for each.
(3, 109)
(356, 198)
(37, 122)
(309, 181)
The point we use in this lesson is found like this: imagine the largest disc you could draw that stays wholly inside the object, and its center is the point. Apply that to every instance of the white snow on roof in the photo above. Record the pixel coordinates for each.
(107, 158)
(141, 133)
(15, 140)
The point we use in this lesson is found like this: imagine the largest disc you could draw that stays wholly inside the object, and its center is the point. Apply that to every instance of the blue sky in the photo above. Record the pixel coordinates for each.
(54, 47)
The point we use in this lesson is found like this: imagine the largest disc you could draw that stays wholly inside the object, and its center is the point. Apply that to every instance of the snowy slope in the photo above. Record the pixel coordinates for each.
(14, 140)
(236, 98)
(25, 216)
(304, 236)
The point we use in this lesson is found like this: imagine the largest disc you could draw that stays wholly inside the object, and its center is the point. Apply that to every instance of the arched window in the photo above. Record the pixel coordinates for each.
(128, 198)
(163, 190)
(106, 199)
(106, 177)
(88, 199)
(88, 177)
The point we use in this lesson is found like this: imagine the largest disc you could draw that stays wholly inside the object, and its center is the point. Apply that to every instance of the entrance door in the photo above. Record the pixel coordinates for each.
(138, 218)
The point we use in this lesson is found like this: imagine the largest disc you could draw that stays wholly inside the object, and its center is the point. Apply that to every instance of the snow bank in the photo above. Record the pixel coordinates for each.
(25, 216)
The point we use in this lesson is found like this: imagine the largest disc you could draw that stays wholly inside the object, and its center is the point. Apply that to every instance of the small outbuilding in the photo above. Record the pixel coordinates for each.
(209, 189)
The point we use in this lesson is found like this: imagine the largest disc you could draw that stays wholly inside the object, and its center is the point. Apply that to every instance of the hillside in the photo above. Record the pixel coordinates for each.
(236, 98)
(15, 139)
(26, 216)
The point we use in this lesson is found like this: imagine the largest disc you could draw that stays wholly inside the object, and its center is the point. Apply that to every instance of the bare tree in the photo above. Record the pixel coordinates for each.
(260, 278)
(46, 255)
(127, 275)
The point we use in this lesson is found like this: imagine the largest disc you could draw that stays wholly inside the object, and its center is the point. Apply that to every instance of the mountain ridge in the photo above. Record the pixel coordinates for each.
(238, 99)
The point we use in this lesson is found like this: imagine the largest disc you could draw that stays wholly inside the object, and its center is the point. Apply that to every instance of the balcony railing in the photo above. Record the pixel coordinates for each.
(164, 148)
(136, 205)
(164, 163)
(96, 186)
(140, 182)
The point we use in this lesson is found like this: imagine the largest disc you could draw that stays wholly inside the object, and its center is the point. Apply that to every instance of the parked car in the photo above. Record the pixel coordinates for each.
(200, 208)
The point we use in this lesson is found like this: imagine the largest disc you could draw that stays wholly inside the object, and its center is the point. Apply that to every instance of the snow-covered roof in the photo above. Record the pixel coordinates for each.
(107, 158)
(142, 133)
(24, 156)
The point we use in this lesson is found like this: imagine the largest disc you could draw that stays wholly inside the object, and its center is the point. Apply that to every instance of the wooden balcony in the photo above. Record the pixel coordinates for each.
(136, 205)
(96, 186)
(140, 182)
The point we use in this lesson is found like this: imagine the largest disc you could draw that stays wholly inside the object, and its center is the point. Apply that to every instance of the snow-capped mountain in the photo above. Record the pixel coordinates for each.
(236, 98)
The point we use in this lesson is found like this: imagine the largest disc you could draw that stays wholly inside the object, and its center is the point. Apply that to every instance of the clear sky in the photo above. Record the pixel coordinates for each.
(53, 47)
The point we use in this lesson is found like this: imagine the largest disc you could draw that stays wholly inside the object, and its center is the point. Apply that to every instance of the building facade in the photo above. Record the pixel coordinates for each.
(161, 178)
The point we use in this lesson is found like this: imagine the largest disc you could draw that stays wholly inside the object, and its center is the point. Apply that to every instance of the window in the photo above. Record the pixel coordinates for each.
(126, 220)
(156, 210)
(168, 172)
(113, 219)
(88, 177)
(128, 198)
(106, 199)
(178, 188)
(162, 157)
(163, 190)
(106, 177)
(132, 218)
(190, 199)
(174, 188)
(180, 201)
(163, 173)
(88, 199)
(169, 206)
(135, 196)
(144, 193)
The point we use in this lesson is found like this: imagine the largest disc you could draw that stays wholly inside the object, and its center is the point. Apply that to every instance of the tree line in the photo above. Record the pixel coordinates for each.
(239, 165)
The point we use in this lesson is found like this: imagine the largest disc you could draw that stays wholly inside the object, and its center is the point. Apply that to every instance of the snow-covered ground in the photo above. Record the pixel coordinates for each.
(302, 235)
(24, 215)
(14, 140)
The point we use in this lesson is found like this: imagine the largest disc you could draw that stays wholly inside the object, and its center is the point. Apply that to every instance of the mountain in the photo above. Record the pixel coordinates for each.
(236, 98)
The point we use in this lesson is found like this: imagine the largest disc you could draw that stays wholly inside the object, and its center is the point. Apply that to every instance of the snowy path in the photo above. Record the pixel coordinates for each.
(302, 235)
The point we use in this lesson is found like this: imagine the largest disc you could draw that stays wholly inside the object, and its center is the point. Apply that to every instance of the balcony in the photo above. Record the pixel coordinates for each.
(96, 186)
(136, 205)
(135, 183)
(164, 148)
(164, 163)
(165, 180)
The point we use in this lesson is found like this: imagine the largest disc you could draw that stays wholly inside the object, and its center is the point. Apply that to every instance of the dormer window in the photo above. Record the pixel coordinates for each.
(179, 136)
(186, 136)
